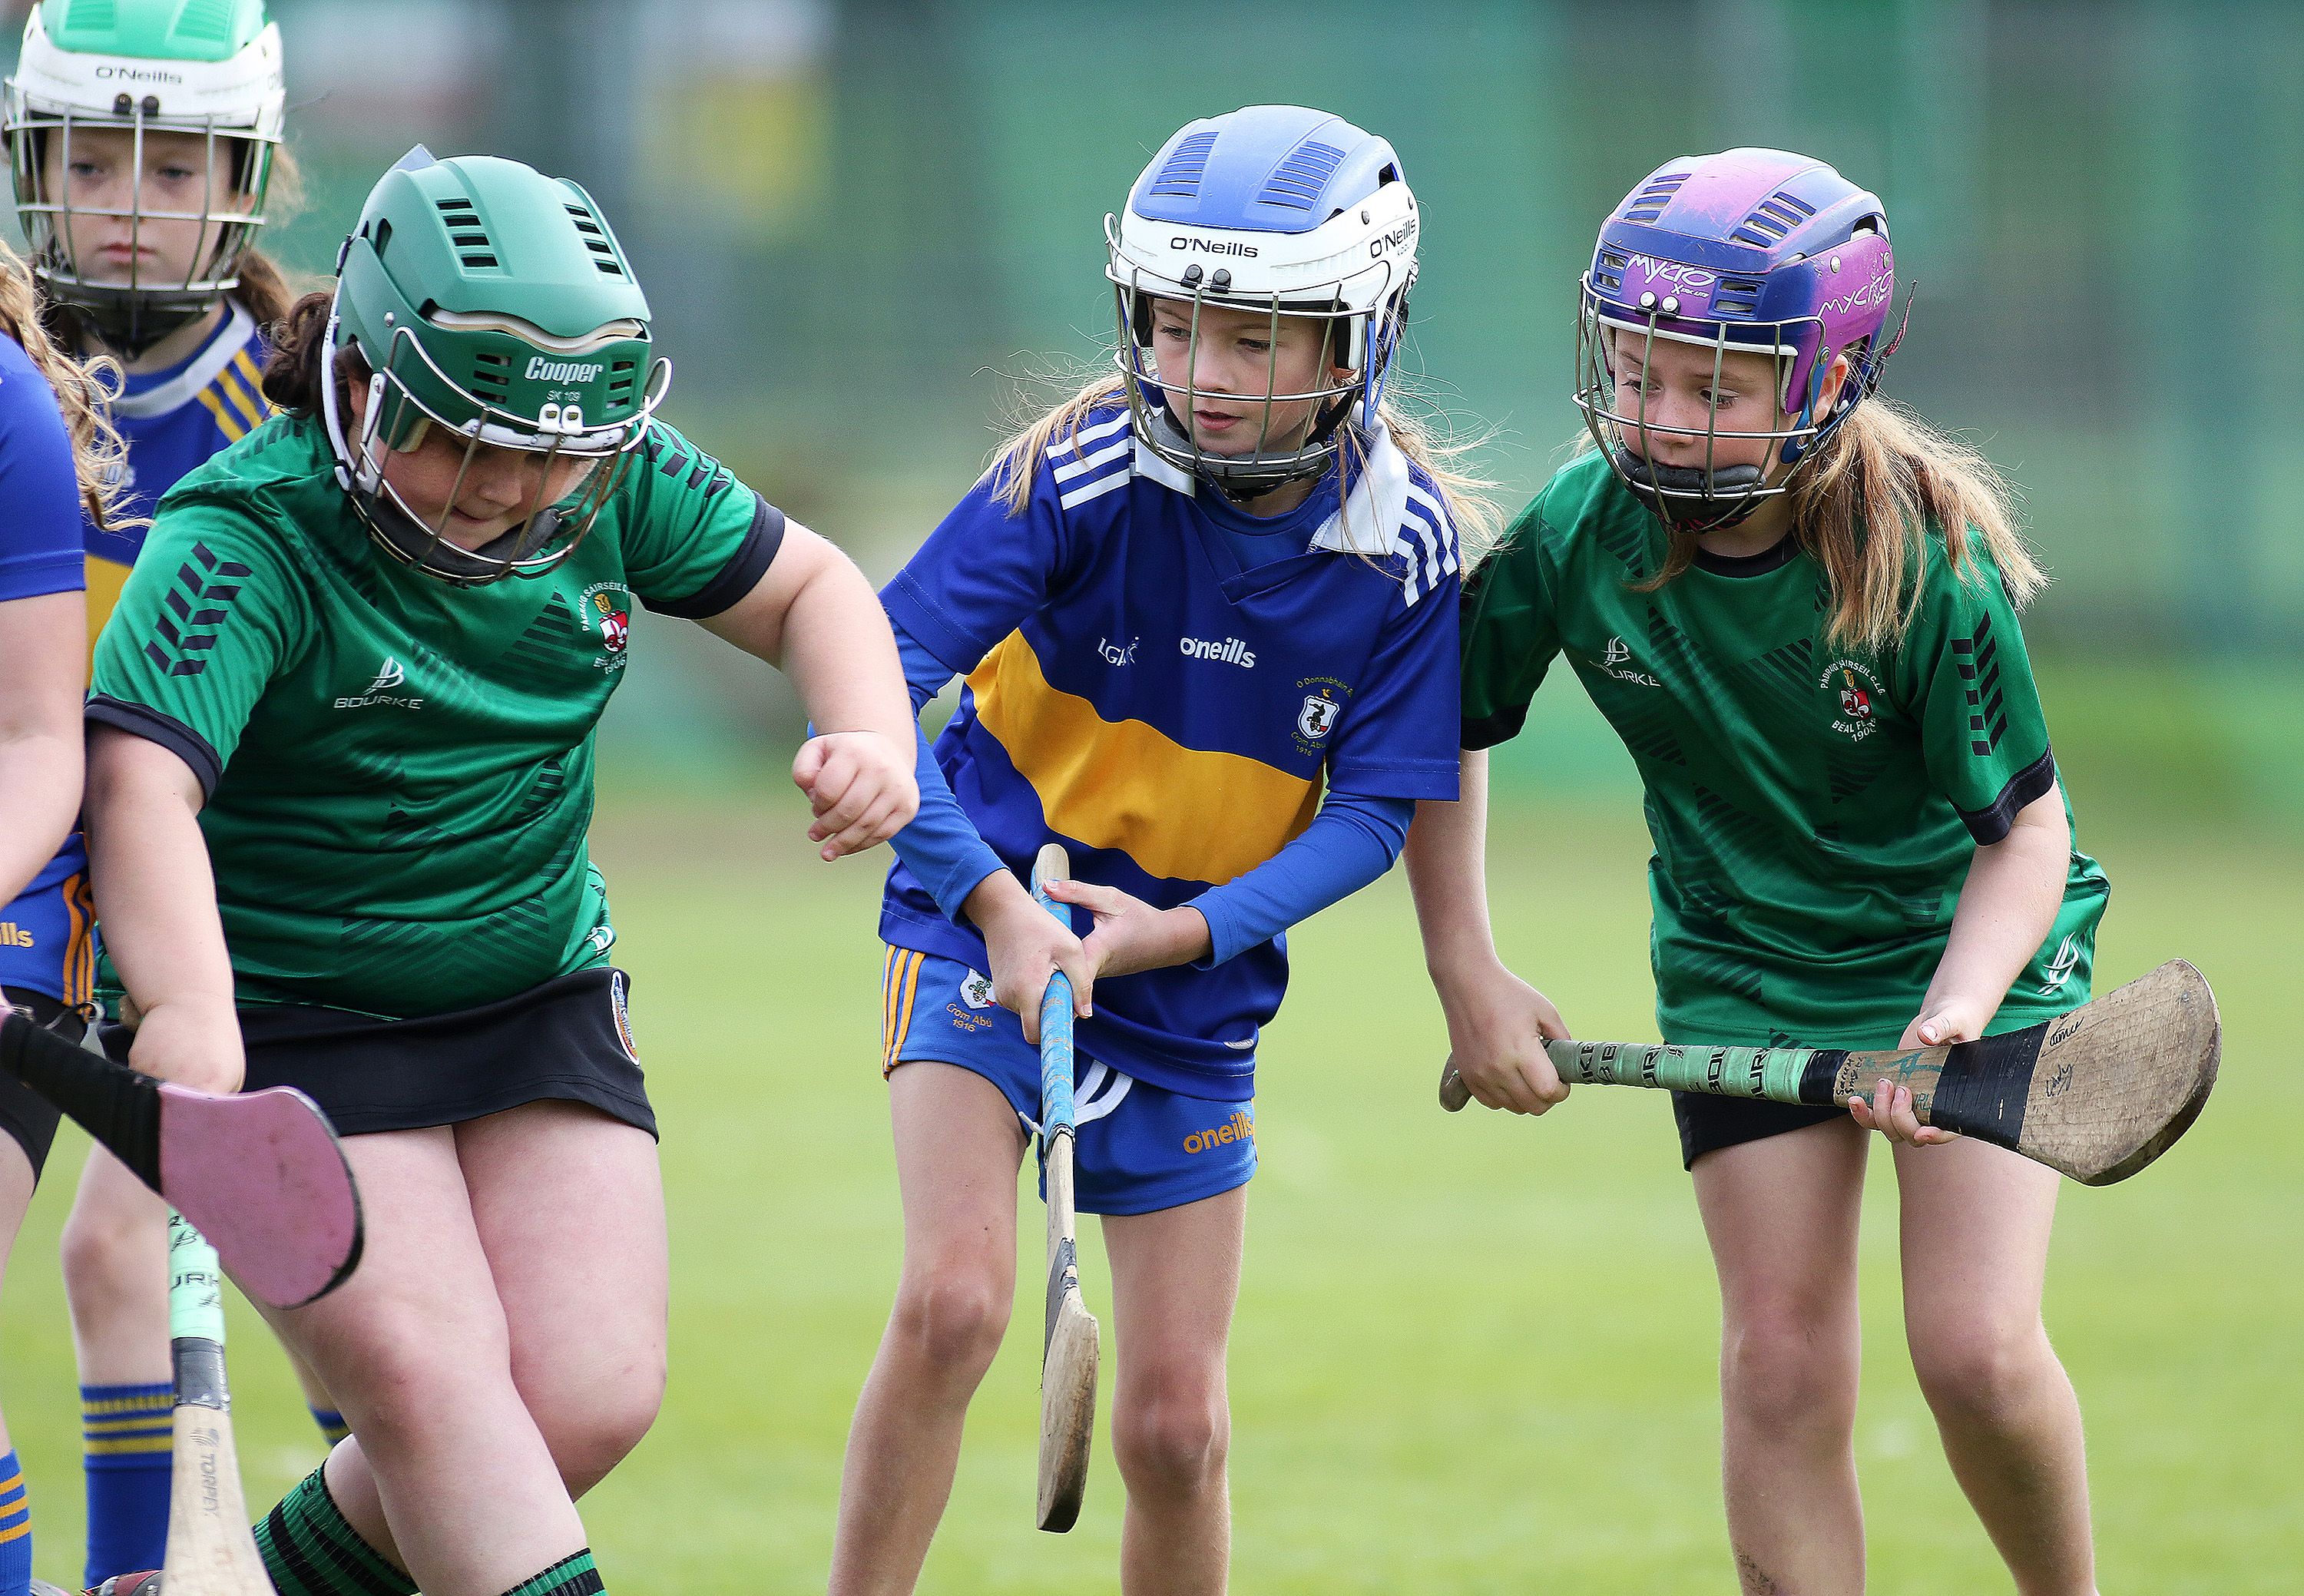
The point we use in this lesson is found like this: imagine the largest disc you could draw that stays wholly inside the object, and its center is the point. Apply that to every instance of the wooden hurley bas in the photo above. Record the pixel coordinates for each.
(2097, 1094)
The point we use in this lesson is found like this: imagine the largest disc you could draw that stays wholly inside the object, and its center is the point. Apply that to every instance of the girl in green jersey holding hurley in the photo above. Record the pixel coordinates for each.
(340, 769)
(1797, 606)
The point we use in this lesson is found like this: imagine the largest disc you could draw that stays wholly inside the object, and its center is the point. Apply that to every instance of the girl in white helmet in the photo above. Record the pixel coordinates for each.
(1206, 613)
(145, 146)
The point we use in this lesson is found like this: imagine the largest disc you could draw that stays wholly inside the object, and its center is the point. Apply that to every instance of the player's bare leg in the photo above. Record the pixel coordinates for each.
(1782, 1214)
(115, 1247)
(16, 1183)
(1974, 1226)
(417, 1348)
(1175, 1279)
(564, 1197)
(958, 1146)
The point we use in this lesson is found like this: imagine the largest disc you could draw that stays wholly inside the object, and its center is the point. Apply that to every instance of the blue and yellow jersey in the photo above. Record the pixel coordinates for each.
(1171, 714)
(44, 933)
(171, 421)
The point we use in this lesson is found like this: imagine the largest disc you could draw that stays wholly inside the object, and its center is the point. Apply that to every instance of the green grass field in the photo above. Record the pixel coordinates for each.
(1473, 1354)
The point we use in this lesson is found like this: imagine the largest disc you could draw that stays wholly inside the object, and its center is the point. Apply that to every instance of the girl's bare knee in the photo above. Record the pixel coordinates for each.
(1173, 1444)
(953, 1318)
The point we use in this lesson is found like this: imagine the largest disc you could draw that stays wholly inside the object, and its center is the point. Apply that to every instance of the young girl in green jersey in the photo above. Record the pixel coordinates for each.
(340, 773)
(1797, 606)
(142, 212)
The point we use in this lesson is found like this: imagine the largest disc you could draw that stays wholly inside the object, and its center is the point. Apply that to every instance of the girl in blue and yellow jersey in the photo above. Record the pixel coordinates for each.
(1204, 611)
(59, 460)
(141, 213)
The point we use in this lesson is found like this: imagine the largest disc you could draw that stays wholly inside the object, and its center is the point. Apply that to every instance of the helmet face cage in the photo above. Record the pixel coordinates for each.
(1709, 498)
(1359, 342)
(397, 420)
(136, 312)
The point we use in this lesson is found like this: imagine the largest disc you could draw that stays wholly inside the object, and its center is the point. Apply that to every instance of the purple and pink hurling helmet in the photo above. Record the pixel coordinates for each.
(1749, 251)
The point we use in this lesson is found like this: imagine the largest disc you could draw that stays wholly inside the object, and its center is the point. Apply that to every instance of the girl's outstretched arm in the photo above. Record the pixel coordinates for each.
(2007, 905)
(1497, 1024)
(814, 617)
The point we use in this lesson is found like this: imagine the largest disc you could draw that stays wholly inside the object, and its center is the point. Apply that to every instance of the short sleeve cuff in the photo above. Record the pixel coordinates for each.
(165, 730)
(33, 576)
(1489, 730)
(1397, 778)
(1992, 823)
(908, 604)
(740, 575)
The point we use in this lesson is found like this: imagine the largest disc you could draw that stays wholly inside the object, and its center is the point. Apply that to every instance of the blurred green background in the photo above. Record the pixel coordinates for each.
(854, 219)
(1473, 1354)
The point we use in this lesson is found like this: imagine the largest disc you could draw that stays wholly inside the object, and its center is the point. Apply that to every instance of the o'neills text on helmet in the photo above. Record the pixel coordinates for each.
(540, 369)
(137, 74)
(1393, 239)
(1211, 246)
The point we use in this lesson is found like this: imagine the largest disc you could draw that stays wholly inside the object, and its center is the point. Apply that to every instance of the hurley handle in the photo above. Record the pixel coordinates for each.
(1057, 1112)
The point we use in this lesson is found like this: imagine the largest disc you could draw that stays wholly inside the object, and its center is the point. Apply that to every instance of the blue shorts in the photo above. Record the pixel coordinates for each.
(47, 938)
(1136, 1147)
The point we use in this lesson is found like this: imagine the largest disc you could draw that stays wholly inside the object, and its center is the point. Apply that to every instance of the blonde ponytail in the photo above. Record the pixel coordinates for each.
(84, 391)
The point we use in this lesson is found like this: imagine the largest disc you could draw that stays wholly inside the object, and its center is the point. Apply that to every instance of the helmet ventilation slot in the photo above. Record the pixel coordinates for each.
(1736, 296)
(620, 377)
(1610, 273)
(595, 239)
(94, 13)
(1649, 202)
(1180, 179)
(491, 376)
(1296, 183)
(1772, 219)
(209, 20)
(466, 234)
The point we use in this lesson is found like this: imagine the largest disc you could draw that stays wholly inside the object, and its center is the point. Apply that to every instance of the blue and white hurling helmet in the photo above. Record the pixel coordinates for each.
(1276, 210)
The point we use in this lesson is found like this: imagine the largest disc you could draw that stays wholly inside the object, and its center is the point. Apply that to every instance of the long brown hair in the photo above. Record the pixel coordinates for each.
(1478, 521)
(1877, 488)
(291, 371)
(84, 390)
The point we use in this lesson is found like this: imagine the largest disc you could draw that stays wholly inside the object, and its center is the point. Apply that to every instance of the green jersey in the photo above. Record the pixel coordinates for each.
(1814, 807)
(399, 773)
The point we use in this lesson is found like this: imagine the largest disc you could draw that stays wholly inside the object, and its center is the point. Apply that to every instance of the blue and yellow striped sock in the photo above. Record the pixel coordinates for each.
(126, 1440)
(310, 1549)
(331, 1422)
(16, 1529)
(569, 1576)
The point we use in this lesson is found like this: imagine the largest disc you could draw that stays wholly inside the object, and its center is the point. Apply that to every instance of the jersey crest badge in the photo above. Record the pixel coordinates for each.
(608, 606)
(1859, 692)
(1318, 715)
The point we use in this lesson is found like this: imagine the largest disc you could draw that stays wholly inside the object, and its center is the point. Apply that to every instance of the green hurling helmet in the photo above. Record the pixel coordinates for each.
(207, 70)
(490, 305)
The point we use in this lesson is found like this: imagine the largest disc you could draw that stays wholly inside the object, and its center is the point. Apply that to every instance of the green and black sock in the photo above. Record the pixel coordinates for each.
(310, 1549)
(569, 1576)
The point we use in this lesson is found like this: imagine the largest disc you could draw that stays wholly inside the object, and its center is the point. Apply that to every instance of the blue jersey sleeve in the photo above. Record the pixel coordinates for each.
(39, 491)
(1398, 736)
(940, 844)
(1349, 843)
(981, 572)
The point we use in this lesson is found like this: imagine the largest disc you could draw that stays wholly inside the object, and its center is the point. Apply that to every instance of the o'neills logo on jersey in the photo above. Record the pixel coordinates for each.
(540, 369)
(1231, 651)
(1859, 694)
(379, 692)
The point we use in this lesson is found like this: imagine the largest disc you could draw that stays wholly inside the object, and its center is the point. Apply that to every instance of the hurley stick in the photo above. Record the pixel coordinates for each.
(211, 1551)
(2096, 1094)
(1069, 1355)
(258, 1171)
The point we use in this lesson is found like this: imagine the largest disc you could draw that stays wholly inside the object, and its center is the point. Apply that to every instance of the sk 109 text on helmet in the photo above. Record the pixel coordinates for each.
(491, 308)
(1282, 213)
(95, 90)
(1748, 254)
